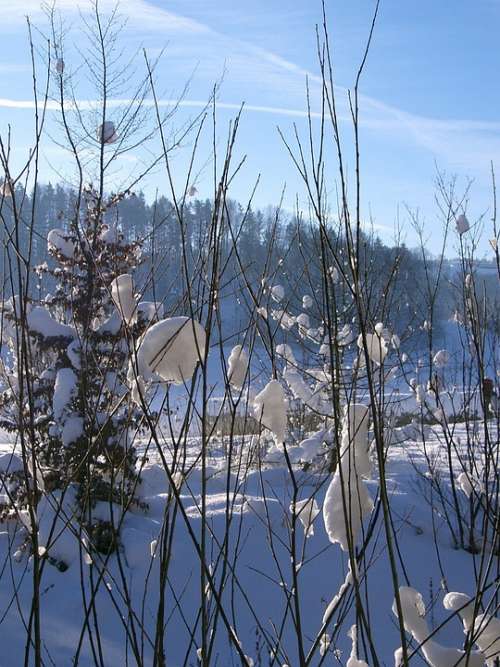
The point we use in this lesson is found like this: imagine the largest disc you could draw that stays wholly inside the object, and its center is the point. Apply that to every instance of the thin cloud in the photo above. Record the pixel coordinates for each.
(459, 141)
(7, 103)
(142, 13)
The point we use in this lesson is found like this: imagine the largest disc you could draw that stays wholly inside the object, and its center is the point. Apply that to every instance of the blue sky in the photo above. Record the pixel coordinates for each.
(430, 90)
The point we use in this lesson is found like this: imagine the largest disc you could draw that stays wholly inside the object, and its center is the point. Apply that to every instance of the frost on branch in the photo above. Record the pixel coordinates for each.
(347, 501)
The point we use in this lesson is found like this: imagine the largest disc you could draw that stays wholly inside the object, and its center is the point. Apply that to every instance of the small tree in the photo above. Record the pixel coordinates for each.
(80, 337)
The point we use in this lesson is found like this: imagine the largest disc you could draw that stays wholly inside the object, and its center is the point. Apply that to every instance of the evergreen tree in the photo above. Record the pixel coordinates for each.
(82, 420)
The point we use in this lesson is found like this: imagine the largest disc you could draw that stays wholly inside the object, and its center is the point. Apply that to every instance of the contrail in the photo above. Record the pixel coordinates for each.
(7, 103)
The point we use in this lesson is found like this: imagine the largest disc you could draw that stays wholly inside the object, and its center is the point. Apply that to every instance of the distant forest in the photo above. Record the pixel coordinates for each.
(255, 244)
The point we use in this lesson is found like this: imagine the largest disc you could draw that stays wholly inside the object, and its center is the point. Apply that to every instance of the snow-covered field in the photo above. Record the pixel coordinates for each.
(256, 504)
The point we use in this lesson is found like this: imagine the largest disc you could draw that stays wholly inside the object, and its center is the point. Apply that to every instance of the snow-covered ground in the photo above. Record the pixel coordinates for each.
(257, 505)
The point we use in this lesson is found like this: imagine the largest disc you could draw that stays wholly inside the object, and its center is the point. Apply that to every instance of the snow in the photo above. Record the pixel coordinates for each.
(270, 409)
(347, 501)
(72, 429)
(112, 325)
(147, 311)
(278, 292)
(59, 243)
(334, 274)
(464, 482)
(41, 322)
(57, 530)
(6, 188)
(353, 658)
(284, 350)
(171, 349)
(413, 610)
(461, 604)
(344, 336)
(110, 234)
(310, 447)
(260, 493)
(462, 224)
(262, 311)
(10, 462)
(306, 510)
(65, 389)
(122, 293)
(375, 345)
(73, 353)
(441, 358)
(237, 366)
(486, 631)
(303, 320)
(337, 598)
(307, 301)
(107, 133)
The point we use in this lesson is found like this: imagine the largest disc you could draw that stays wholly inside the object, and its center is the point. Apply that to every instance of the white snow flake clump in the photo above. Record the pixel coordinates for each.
(353, 658)
(277, 292)
(307, 511)
(171, 349)
(65, 388)
(485, 628)
(375, 345)
(59, 243)
(413, 611)
(270, 409)
(353, 466)
(122, 293)
(307, 301)
(41, 322)
(237, 366)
